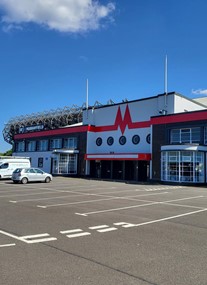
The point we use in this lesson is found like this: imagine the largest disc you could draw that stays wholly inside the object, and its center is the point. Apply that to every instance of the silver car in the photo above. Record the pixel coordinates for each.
(25, 175)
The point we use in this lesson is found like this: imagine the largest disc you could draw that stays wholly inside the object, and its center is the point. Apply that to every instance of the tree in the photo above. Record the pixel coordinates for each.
(7, 153)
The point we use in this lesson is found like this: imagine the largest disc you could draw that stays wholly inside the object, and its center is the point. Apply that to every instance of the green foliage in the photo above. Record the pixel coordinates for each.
(7, 153)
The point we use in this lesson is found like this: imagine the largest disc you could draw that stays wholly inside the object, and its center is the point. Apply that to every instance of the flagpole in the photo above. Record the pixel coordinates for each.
(165, 87)
(87, 93)
(87, 98)
(166, 74)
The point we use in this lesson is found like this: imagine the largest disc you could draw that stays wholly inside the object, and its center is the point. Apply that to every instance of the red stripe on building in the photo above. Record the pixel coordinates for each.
(48, 133)
(182, 117)
(118, 156)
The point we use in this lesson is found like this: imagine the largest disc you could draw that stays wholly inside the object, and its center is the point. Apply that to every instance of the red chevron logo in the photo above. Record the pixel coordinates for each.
(122, 123)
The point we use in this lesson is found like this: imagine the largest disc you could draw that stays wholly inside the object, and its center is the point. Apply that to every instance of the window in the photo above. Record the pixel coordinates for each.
(4, 166)
(70, 143)
(205, 135)
(38, 171)
(55, 143)
(187, 135)
(42, 145)
(20, 146)
(31, 145)
(40, 162)
(30, 170)
(182, 166)
(65, 164)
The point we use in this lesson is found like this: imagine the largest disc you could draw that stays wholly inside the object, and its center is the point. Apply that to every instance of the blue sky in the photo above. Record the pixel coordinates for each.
(49, 49)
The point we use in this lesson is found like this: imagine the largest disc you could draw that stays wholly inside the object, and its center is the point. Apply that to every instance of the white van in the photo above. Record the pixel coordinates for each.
(9, 163)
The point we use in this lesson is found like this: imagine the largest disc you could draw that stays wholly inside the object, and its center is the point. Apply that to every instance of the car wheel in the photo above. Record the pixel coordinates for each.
(24, 180)
(47, 179)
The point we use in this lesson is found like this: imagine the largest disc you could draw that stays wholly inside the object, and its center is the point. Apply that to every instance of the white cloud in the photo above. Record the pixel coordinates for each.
(72, 16)
(199, 91)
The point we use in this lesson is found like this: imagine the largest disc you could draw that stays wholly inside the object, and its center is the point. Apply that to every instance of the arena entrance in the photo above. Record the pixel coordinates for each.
(64, 162)
(131, 170)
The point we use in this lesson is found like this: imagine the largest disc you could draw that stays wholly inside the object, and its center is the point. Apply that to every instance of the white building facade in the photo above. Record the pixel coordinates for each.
(118, 141)
(119, 144)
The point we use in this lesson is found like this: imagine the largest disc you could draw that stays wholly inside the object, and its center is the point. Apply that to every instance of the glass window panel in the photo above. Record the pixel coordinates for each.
(189, 166)
(70, 143)
(195, 135)
(21, 146)
(175, 136)
(43, 145)
(31, 145)
(185, 135)
(55, 143)
(205, 135)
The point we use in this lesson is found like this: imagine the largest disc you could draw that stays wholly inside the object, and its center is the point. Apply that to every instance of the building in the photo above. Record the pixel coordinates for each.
(124, 141)
(160, 138)
(179, 149)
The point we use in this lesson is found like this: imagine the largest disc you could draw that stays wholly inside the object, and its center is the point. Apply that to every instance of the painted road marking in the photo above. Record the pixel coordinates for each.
(125, 225)
(75, 233)
(138, 206)
(74, 203)
(9, 235)
(171, 217)
(115, 209)
(28, 194)
(30, 239)
(7, 245)
(103, 228)
(33, 238)
(98, 200)
(48, 198)
(164, 188)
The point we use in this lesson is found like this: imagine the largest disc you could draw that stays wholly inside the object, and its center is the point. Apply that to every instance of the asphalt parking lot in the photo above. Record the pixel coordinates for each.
(80, 232)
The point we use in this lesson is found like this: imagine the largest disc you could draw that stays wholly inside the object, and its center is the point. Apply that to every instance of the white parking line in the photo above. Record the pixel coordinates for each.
(28, 194)
(98, 200)
(98, 227)
(181, 205)
(33, 238)
(171, 218)
(125, 225)
(29, 238)
(107, 230)
(103, 228)
(79, 235)
(116, 209)
(9, 235)
(138, 206)
(48, 198)
(7, 245)
(74, 203)
(164, 188)
(75, 233)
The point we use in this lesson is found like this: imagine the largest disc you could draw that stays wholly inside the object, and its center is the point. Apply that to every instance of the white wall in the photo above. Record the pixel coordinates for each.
(183, 104)
(129, 147)
(140, 111)
(34, 158)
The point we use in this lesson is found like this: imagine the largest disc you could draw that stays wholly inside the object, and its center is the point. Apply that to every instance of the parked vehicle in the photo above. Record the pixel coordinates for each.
(25, 175)
(9, 163)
